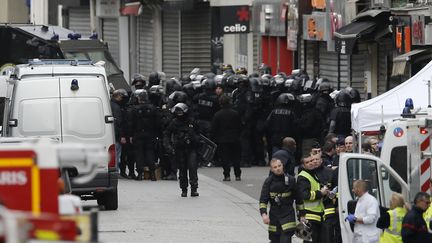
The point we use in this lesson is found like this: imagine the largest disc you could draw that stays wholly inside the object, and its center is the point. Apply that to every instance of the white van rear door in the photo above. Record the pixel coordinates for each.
(383, 181)
(36, 108)
(84, 111)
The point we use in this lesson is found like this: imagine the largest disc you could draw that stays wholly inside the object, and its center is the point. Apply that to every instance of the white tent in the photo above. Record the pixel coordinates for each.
(367, 115)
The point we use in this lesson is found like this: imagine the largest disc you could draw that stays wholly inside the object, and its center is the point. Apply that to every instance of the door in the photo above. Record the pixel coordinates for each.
(35, 108)
(383, 181)
(87, 125)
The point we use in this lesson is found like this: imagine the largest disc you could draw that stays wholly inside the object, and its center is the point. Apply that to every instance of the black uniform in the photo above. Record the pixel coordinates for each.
(342, 118)
(330, 230)
(181, 139)
(144, 127)
(281, 123)
(226, 130)
(414, 228)
(280, 192)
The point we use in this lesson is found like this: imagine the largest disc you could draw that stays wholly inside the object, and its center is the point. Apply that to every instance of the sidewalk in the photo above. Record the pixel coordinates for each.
(155, 212)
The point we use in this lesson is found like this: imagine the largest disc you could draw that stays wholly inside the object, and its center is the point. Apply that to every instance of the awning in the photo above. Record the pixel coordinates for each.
(133, 9)
(347, 36)
(399, 62)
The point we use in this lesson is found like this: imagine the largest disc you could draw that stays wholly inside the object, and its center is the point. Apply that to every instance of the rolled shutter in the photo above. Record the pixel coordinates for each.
(329, 66)
(79, 21)
(358, 69)
(110, 34)
(195, 43)
(171, 43)
(145, 42)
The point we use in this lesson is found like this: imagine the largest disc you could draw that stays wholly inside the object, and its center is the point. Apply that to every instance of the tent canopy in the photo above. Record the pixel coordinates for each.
(367, 115)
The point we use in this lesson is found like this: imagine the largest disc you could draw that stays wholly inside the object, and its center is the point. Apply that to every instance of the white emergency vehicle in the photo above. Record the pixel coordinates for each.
(404, 165)
(68, 101)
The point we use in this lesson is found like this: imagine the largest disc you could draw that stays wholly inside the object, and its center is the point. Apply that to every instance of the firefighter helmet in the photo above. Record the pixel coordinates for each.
(304, 231)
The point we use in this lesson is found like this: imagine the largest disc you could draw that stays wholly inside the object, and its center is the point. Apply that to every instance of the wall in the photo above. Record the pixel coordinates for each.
(14, 11)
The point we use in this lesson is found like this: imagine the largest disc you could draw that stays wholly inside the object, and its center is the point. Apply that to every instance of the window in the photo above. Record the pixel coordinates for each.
(398, 161)
(390, 185)
(366, 170)
(94, 56)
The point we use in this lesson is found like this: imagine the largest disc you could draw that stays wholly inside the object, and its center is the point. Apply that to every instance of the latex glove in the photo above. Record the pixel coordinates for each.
(351, 218)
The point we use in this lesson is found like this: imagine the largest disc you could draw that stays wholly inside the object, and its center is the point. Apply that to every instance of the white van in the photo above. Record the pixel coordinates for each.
(67, 101)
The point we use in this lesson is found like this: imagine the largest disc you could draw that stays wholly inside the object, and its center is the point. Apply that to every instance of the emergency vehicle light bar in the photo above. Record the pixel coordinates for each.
(40, 62)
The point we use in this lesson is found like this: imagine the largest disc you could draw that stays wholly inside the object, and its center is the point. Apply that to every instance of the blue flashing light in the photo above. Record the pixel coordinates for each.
(74, 36)
(94, 36)
(55, 37)
(409, 103)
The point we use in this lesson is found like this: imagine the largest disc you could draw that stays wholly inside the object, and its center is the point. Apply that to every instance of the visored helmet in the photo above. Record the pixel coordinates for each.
(153, 78)
(285, 99)
(266, 80)
(325, 86)
(256, 85)
(343, 99)
(180, 109)
(208, 84)
(141, 94)
(172, 85)
(219, 80)
(136, 78)
(304, 231)
(226, 67)
(243, 80)
(354, 94)
(305, 98)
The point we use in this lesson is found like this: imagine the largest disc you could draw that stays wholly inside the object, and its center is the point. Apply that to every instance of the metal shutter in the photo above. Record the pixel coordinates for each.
(256, 51)
(111, 36)
(328, 66)
(195, 44)
(79, 21)
(145, 42)
(171, 43)
(358, 69)
(308, 57)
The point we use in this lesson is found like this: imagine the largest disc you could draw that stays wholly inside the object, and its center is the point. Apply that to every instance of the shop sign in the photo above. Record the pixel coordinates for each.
(107, 8)
(315, 27)
(417, 26)
(235, 19)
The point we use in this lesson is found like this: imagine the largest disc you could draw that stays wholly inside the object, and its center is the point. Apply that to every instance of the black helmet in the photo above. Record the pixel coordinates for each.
(325, 86)
(141, 94)
(180, 109)
(153, 78)
(232, 80)
(254, 75)
(354, 94)
(172, 85)
(156, 89)
(264, 69)
(266, 80)
(243, 80)
(209, 75)
(256, 85)
(220, 80)
(177, 97)
(285, 99)
(208, 84)
(241, 71)
(138, 78)
(185, 79)
(343, 99)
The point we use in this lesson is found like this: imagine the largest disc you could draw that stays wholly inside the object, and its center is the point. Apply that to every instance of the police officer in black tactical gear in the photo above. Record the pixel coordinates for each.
(281, 122)
(207, 105)
(181, 138)
(258, 120)
(144, 127)
(280, 190)
(310, 123)
(324, 103)
(243, 104)
(340, 117)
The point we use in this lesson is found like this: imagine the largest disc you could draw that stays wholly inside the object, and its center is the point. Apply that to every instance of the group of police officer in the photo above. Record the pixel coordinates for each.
(163, 118)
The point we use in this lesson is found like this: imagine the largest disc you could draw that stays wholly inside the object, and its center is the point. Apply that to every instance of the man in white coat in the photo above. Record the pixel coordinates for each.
(366, 215)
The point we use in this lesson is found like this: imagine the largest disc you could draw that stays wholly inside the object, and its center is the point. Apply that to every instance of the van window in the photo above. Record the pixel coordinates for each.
(366, 170)
(83, 123)
(33, 120)
(398, 161)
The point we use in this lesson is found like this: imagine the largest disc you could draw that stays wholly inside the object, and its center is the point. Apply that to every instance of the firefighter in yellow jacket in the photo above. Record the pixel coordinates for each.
(312, 193)
(279, 189)
(391, 222)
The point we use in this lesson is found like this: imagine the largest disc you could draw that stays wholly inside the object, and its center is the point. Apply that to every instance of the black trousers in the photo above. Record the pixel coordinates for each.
(316, 231)
(229, 154)
(127, 158)
(145, 153)
(330, 231)
(246, 146)
(187, 162)
(281, 237)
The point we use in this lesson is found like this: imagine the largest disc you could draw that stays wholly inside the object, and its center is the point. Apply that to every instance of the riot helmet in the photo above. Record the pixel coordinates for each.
(219, 80)
(172, 85)
(208, 84)
(180, 109)
(266, 80)
(256, 85)
(325, 86)
(194, 73)
(285, 99)
(209, 75)
(354, 94)
(138, 81)
(153, 79)
(142, 95)
(242, 81)
(343, 99)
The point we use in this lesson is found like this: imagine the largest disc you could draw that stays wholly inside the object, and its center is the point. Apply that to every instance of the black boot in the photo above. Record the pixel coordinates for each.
(140, 176)
(194, 192)
(184, 193)
(152, 175)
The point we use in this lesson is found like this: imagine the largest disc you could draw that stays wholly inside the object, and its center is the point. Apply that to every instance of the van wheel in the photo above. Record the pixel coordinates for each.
(109, 200)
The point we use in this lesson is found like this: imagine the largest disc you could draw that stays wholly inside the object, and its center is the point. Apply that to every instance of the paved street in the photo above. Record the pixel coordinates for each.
(155, 212)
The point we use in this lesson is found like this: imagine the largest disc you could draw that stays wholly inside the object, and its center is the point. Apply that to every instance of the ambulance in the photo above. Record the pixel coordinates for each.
(404, 165)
